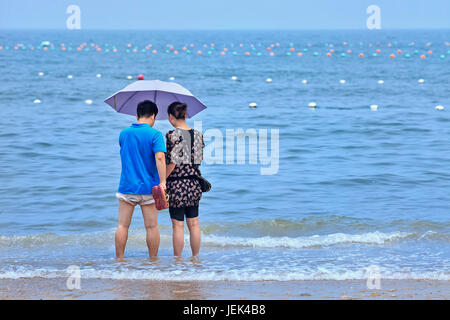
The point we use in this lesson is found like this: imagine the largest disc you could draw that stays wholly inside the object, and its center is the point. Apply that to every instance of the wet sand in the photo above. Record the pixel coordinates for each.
(40, 288)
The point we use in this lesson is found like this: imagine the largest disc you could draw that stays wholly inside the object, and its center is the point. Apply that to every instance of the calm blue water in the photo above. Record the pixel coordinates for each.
(355, 187)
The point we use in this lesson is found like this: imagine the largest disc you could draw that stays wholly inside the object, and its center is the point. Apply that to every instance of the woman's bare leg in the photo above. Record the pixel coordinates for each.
(195, 235)
(177, 237)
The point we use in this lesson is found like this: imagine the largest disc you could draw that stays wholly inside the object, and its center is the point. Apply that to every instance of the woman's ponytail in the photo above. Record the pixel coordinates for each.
(178, 110)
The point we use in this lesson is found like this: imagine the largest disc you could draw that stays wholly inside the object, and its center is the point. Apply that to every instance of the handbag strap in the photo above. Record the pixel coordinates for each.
(193, 152)
(192, 145)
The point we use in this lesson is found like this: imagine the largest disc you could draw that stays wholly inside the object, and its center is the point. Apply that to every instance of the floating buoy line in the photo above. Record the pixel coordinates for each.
(343, 50)
(252, 105)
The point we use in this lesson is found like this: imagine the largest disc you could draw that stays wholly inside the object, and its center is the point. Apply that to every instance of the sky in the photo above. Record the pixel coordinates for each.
(224, 14)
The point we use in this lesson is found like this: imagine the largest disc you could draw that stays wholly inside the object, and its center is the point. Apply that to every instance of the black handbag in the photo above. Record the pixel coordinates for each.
(205, 185)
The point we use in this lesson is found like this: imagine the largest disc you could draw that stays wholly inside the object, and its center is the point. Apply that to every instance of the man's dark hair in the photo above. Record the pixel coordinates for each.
(146, 109)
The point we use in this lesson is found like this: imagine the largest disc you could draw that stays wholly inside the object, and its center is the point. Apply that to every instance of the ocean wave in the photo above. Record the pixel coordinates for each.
(320, 224)
(137, 238)
(229, 275)
(376, 238)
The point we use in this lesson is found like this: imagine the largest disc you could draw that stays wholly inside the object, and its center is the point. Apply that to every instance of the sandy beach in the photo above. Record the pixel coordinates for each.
(40, 288)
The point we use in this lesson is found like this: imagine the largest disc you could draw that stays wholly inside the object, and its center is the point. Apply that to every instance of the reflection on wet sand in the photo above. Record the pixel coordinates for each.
(41, 288)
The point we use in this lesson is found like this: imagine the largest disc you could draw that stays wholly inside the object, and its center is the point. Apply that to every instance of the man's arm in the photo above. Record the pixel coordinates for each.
(160, 158)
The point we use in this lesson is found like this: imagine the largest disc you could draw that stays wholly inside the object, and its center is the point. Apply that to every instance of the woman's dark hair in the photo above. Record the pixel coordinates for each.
(178, 110)
(146, 109)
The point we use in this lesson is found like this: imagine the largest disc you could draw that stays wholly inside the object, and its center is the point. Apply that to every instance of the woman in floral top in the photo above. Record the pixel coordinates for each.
(183, 162)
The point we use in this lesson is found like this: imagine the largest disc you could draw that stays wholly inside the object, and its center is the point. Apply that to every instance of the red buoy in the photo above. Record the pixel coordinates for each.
(140, 77)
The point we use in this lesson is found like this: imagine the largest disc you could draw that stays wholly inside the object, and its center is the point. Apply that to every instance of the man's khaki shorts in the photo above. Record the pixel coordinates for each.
(136, 199)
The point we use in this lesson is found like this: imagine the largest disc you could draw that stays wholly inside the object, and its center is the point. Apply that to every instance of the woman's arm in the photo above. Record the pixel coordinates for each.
(169, 169)
(169, 146)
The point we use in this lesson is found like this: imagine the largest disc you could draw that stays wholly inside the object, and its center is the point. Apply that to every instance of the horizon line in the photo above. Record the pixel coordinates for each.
(225, 29)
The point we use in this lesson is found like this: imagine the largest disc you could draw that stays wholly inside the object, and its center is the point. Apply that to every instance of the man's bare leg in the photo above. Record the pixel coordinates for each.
(150, 215)
(177, 237)
(125, 214)
(195, 235)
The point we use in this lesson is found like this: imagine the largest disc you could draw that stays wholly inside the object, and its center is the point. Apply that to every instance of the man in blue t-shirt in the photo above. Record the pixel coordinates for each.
(142, 151)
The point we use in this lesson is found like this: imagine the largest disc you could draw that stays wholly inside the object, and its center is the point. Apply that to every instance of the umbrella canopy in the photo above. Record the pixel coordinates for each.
(160, 92)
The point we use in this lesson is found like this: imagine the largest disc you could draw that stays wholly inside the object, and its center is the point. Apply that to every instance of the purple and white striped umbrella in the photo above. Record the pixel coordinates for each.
(160, 92)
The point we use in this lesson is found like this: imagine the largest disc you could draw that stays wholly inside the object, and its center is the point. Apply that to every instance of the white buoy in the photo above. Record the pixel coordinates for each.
(421, 81)
(234, 78)
(374, 107)
(342, 81)
(88, 101)
(253, 105)
(312, 105)
(129, 78)
(439, 108)
(269, 80)
(172, 78)
(69, 76)
(99, 75)
(40, 74)
(380, 82)
(304, 81)
(37, 101)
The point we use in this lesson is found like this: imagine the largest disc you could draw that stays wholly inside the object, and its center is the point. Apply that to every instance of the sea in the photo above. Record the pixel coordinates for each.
(358, 190)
